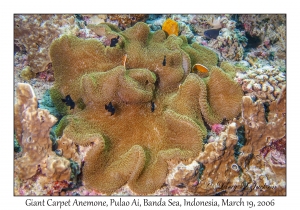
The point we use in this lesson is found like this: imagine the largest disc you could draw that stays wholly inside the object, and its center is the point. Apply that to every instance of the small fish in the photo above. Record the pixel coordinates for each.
(58, 152)
(200, 68)
(69, 101)
(110, 108)
(254, 98)
(164, 61)
(180, 185)
(124, 59)
(152, 106)
(114, 41)
(212, 33)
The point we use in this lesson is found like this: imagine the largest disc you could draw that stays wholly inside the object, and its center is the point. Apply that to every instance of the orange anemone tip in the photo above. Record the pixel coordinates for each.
(200, 68)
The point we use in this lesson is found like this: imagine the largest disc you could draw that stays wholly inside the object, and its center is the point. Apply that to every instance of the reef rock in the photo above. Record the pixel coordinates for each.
(32, 128)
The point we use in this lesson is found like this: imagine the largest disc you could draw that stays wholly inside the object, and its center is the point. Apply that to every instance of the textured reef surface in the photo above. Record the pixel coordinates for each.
(150, 105)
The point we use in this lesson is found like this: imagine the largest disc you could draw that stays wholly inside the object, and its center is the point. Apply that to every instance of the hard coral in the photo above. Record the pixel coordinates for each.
(270, 30)
(254, 169)
(226, 40)
(265, 83)
(32, 127)
(158, 104)
(27, 74)
(221, 173)
(200, 23)
(230, 44)
(124, 21)
(264, 151)
(271, 125)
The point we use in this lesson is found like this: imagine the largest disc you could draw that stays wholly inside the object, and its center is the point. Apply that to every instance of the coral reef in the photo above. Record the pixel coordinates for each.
(124, 21)
(32, 126)
(200, 23)
(40, 186)
(264, 130)
(122, 107)
(252, 162)
(220, 169)
(218, 172)
(27, 74)
(46, 28)
(94, 19)
(229, 42)
(153, 92)
(68, 149)
(21, 68)
(268, 32)
(265, 83)
(217, 128)
(47, 74)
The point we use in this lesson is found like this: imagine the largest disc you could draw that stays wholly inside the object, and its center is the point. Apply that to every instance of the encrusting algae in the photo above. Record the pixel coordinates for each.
(153, 120)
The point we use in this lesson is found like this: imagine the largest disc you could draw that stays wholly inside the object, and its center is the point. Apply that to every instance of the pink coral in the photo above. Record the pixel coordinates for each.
(57, 186)
(217, 128)
(267, 43)
(47, 74)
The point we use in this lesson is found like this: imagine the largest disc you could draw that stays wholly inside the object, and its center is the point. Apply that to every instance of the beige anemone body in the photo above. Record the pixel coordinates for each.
(134, 144)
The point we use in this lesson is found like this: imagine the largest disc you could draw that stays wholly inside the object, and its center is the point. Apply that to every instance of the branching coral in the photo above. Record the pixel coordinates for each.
(158, 103)
(32, 127)
(221, 171)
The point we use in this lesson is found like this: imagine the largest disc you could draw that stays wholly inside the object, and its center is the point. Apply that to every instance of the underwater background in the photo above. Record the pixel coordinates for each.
(171, 104)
